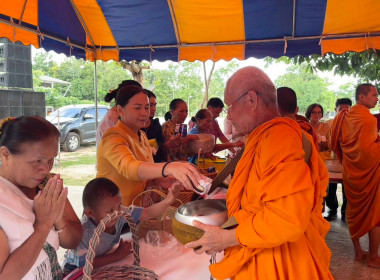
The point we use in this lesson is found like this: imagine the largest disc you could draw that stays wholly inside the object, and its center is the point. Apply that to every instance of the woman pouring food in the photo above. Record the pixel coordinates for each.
(124, 155)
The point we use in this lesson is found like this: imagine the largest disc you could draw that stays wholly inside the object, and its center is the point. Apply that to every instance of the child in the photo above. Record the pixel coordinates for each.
(101, 197)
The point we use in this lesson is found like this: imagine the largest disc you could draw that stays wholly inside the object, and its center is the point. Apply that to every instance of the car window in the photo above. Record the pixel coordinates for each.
(67, 113)
(91, 112)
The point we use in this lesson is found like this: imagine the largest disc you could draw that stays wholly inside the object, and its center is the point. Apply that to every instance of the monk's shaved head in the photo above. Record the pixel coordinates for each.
(286, 101)
(251, 98)
(252, 78)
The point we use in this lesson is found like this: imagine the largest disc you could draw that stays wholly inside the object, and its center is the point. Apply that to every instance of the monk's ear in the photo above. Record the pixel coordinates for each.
(297, 110)
(253, 99)
(4, 155)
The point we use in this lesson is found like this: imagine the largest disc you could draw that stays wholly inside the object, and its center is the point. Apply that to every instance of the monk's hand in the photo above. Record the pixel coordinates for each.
(49, 203)
(186, 173)
(214, 240)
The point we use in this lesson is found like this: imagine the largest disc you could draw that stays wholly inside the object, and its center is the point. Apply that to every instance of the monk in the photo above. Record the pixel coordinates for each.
(287, 107)
(357, 145)
(275, 196)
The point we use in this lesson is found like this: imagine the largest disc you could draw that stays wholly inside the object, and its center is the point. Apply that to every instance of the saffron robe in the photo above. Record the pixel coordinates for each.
(277, 200)
(357, 145)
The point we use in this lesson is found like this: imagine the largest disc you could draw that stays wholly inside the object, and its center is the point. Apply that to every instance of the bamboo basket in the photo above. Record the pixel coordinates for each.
(203, 169)
(116, 272)
(161, 223)
(183, 197)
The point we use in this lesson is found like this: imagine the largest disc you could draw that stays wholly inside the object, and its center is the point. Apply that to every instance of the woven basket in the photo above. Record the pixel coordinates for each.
(203, 168)
(134, 271)
(183, 197)
(161, 223)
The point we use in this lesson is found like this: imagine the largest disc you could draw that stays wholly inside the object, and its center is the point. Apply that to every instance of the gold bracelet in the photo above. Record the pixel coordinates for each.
(62, 229)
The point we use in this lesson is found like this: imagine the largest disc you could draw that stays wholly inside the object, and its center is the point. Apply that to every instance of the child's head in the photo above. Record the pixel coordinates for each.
(101, 197)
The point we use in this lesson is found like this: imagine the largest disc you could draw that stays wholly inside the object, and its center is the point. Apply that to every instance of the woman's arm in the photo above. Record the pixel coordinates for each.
(17, 264)
(71, 227)
(186, 173)
(47, 206)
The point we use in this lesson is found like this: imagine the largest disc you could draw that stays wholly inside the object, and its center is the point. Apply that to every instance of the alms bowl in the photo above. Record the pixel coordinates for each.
(209, 211)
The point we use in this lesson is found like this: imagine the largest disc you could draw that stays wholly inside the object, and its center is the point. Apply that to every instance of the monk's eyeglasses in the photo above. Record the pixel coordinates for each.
(228, 110)
(236, 101)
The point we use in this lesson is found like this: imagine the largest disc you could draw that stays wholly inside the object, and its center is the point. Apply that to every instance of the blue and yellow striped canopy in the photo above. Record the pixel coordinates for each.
(192, 29)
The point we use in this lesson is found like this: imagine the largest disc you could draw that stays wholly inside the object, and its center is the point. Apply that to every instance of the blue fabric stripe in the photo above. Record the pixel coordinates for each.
(52, 45)
(146, 54)
(310, 17)
(139, 22)
(265, 19)
(276, 49)
(57, 17)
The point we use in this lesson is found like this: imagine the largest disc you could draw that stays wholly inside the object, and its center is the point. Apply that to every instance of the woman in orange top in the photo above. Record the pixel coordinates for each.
(124, 155)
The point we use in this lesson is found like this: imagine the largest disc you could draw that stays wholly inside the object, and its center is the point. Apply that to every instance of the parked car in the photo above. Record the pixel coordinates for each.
(76, 124)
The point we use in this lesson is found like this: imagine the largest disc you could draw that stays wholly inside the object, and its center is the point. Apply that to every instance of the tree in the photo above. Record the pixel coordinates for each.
(136, 69)
(364, 65)
(309, 88)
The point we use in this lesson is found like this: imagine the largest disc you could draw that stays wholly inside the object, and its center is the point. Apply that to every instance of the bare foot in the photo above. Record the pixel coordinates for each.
(373, 262)
(361, 255)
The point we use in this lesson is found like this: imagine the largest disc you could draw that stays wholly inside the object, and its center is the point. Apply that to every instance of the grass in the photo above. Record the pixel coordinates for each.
(80, 160)
(77, 168)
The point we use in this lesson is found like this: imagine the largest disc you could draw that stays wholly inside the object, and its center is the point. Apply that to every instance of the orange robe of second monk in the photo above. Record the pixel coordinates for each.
(357, 145)
(277, 200)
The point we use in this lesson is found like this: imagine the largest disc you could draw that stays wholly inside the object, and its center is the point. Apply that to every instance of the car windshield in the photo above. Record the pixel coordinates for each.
(67, 113)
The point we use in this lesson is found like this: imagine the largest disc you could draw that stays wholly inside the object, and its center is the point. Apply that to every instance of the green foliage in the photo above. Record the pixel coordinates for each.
(80, 74)
(364, 65)
(309, 88)
(180, 80)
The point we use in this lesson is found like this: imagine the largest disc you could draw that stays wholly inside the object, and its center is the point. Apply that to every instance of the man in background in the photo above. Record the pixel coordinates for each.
(356, 143)
(331, 198)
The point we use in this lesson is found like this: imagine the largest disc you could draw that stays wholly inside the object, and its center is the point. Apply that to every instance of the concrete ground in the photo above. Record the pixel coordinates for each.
(343, 266)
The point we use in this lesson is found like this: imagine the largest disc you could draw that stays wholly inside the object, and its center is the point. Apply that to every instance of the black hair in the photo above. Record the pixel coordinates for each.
(25, 129)
(215, 102)
(311, 108)
(175, 102)
(343, 101)
(201, 115)
(363, 89)
(150, 93)
(167, 116)
(96, 190)
(113, 93)
(126, 93)
(286, 100)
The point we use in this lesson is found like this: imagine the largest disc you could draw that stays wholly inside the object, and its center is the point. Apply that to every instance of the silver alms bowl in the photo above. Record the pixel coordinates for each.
(208, 211)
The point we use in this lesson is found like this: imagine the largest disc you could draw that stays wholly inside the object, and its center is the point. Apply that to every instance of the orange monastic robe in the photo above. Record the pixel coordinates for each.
(357, 145)
(277, 200)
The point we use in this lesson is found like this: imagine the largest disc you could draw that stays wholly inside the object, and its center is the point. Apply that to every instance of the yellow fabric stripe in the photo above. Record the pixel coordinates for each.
(209, 21)
(340, 46)
(103, 55)
(95, 21)
(226, 52)
(30, 15)
(352, 16)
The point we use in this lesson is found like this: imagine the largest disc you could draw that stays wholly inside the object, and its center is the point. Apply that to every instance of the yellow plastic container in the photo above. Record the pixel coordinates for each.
(219, 163)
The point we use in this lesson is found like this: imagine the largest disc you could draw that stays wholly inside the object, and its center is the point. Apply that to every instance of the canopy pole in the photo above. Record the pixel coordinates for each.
(96, 92)
(294, 18)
